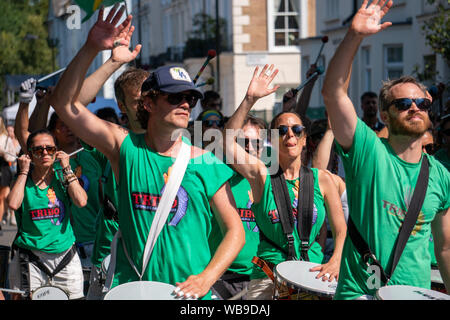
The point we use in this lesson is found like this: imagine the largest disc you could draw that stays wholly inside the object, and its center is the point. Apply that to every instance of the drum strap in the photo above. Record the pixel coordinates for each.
(304, 209)
(32, 258)
(405, 230)
(266, 266)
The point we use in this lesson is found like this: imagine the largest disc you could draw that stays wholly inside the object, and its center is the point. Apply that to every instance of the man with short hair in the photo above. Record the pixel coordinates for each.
(211, 100)
(369, 106)
(142, 165)
(381, 174)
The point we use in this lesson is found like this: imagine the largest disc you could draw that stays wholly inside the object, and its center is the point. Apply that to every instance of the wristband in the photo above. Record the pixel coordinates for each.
(67, 170)
(24, 173)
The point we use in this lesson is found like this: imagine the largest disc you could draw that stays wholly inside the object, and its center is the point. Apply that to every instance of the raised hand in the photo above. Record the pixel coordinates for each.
(27, 90)
(367, 20)
(104, 34)
(259, 85)
(122, 53)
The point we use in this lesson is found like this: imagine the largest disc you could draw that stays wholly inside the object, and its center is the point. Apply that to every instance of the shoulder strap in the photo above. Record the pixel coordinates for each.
(405, 230)
(283, 202)
(305, 209)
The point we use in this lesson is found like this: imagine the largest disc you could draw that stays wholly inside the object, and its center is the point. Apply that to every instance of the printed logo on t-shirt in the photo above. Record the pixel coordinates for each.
(150, 202)
(247, 214)
(396, 211)
(54, 212)
(82, 179)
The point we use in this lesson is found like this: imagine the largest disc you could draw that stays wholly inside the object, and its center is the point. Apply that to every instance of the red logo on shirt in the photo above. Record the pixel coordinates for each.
(45, 213)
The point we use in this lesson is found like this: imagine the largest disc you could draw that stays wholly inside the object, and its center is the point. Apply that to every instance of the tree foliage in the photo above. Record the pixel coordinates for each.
(437, 30)
(23, 39)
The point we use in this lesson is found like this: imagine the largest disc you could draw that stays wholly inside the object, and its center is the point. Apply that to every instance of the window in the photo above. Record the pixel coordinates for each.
(393, 57)
(284, 23)
(366, 69)
(332, 9)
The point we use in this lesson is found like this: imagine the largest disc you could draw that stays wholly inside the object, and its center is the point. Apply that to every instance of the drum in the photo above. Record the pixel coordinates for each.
(398, 292)
(294, 281)
(437, 283)
(142, 290)
(49, 293)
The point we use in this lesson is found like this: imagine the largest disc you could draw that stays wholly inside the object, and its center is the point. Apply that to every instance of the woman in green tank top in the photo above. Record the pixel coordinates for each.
(43, 203)
(288, 147)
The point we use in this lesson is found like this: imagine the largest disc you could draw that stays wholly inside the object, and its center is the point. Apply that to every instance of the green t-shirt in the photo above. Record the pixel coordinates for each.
(269, 222)
(243, 196)
(106, 228)
(84, 219)
(380, 186)
(182, 247)
(442, 157)
(44, 218)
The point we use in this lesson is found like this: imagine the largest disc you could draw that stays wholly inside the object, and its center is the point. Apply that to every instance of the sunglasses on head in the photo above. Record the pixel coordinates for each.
(176, 98)
(403, 104)
(211, 123)
(38, 151)
(296, 129)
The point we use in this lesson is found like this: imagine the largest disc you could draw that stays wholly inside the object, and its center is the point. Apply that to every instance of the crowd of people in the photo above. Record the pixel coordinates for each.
(89, 188)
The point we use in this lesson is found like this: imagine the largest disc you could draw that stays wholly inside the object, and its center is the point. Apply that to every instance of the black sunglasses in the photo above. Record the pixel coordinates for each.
(403, 104)
(430, 148)
(296, 129)
(176, 98)
(256, 143)
(210, 123)
(446, 132)
(38, 151)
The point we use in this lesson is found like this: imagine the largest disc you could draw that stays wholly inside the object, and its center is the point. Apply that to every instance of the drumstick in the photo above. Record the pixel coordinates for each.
(12, 291)
(12, 155)
(50, 75)
(324, 40)
(210, 81)
(73, 153)
(211, 55)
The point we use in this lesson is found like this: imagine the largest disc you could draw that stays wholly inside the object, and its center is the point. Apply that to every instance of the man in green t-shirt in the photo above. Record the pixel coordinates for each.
(141, 165)
(381, 174)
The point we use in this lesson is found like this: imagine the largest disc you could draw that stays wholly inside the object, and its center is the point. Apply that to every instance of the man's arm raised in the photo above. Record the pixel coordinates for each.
(105, 136)
(340, 109)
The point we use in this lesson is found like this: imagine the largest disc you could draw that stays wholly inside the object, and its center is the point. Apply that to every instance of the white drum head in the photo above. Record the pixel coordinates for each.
(49, 293)
(142, 290)
(296, 274)
(105, 264)
(436, 276)
(409, 293)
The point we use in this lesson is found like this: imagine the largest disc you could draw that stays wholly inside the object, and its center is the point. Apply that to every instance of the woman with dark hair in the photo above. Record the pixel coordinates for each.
(43, 202)
(274, 245)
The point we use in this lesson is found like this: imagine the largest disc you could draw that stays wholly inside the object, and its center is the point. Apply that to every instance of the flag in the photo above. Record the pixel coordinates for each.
(90, 6)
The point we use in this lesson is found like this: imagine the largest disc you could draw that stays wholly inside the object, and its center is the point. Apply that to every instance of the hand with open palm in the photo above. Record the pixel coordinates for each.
(104, 34)
(259, 86)
(122, 53)
(367, 20)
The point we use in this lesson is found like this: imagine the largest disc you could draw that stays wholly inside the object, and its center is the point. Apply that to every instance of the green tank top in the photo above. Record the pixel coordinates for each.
(182, 247)
(106, 228)
(269, 222)
(43, 219)
(244, 199)
(380, 186)
(84, 219)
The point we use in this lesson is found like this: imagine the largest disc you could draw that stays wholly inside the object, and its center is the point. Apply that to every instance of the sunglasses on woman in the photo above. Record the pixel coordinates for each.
(211, 123)
(296, 129)
(38, 151)
(403, 104)
(176, 98)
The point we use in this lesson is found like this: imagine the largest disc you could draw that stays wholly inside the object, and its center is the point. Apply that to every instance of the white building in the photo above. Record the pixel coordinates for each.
(391, 53)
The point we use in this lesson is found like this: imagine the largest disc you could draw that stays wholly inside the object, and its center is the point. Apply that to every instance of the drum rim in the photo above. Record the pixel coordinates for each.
(398, 286)
(49, 286)
(141, 282)
(296, 286)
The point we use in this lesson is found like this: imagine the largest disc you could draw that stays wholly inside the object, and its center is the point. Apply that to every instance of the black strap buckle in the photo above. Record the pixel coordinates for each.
(367, 257)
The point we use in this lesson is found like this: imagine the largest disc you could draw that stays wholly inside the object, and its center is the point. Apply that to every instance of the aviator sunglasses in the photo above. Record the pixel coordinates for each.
(296, 129)
(176, 98)
(38, 151)
(403, 104)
